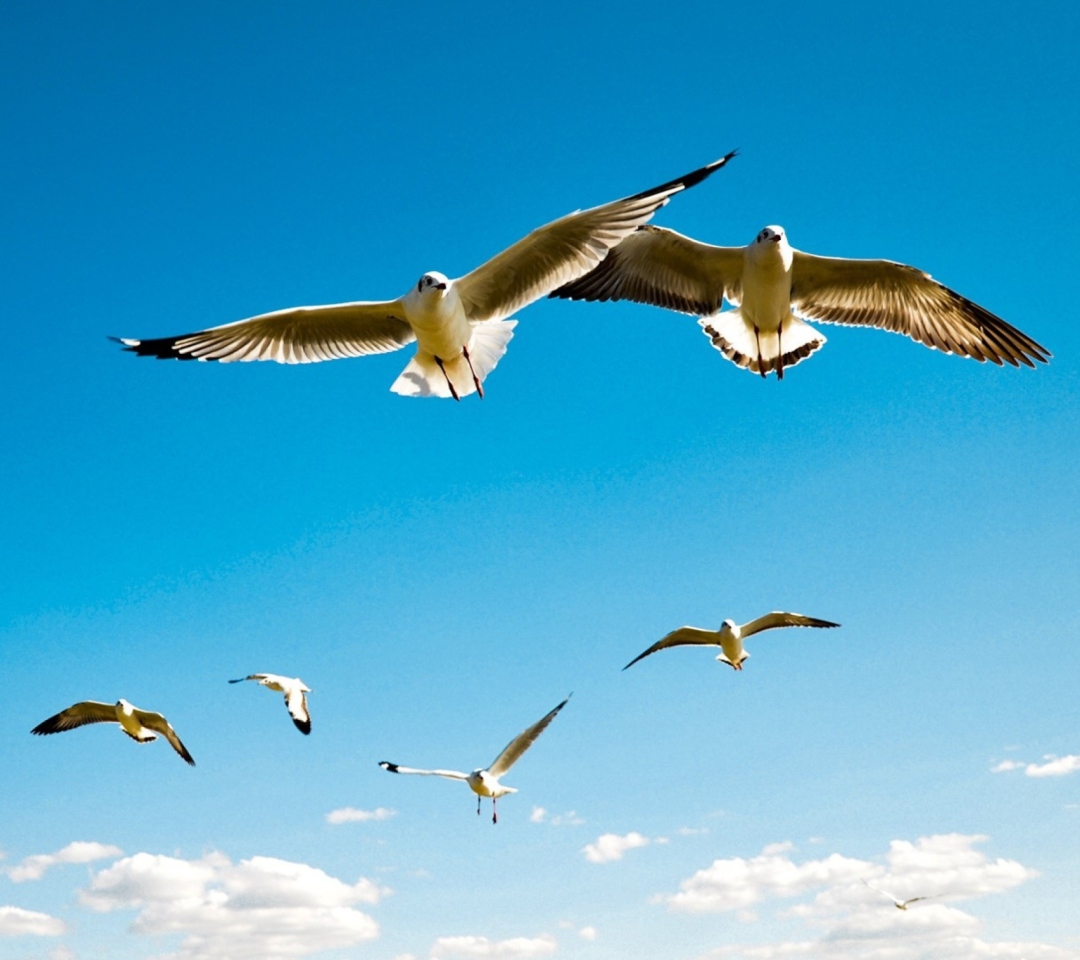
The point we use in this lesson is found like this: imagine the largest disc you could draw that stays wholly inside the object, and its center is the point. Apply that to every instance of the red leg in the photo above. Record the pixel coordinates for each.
(760, 362)
(475, 378)
(449, 382)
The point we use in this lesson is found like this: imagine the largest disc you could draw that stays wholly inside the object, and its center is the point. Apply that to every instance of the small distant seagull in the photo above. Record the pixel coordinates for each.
(900, 904)
(141, 725)
(485, 783)
(771, 285)
(295, 699)
(730, 636)
(461, 326)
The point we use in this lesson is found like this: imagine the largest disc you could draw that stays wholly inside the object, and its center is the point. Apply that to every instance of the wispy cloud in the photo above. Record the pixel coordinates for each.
(611, 846)
(568, 819)
(848, 920)
(475, 948)
(81, 851)
(1052, 766)
(355, 815)
(16, 922)
(587, 933)
(257, 908)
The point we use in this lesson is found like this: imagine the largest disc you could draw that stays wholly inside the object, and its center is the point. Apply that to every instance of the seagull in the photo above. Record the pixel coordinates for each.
(141, 725)
(730, 636)
(294, 689)
(485, 782)
(772, 285)
(900, 904)
(461, 327)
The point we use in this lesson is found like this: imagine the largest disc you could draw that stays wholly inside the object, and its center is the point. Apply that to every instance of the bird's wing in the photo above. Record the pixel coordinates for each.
(563, 250)
(680, 638)
(296, 702)
(516, 747)
(452, 774)
(251, 676)
(299, 335)
(78, 715)
(156, 722)
(903, 299)
(884, 893)
(659, 266)
(932, 896)
(779, 619)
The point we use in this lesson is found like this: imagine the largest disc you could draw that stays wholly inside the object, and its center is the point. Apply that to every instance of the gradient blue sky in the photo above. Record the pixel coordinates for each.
(442, 574)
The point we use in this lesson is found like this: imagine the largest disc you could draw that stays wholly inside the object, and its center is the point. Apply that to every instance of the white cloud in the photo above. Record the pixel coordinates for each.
(568, 819)
(257, 908)
(62, 953)
(16, 922)
(354, 815)
(848, 920)
(475, 948)
(1052, 767)
(610, 846)
(587, 933)
(81, 851)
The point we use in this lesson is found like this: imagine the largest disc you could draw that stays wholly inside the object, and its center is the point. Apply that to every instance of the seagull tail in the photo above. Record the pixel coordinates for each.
(736, 340)
(423, 377)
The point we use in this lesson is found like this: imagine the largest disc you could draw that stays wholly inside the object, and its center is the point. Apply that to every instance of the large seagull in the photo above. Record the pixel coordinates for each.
(485, 782)
(461, 327)
(771, 286)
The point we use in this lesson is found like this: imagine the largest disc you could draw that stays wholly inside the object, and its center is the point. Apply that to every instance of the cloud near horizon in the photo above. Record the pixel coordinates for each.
(481, 948)
(258, 908)
(17, 922)
(1052, 767)
(355, 815)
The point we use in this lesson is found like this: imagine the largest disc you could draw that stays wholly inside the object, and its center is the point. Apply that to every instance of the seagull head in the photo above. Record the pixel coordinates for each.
(729, 623)
(433, 284)
(769, 235)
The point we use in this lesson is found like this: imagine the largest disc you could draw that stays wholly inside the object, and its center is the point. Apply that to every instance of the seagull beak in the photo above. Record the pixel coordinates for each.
(776, 239)
(440, 286)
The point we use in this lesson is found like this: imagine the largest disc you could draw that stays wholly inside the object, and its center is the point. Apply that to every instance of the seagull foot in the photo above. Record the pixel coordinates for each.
(449, 382)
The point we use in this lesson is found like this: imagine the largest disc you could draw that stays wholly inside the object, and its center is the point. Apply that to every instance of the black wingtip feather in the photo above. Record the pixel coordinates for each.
(691, 179)
(388, 766)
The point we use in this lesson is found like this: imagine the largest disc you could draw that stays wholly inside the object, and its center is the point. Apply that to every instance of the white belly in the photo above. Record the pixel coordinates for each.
(442, 330)
(766, 295)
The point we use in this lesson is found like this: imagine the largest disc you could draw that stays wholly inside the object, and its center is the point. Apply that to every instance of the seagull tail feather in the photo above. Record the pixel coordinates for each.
(730, 333)
(424, 378)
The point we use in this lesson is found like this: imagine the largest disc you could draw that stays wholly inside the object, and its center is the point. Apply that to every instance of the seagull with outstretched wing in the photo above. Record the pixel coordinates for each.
(461, 327)
(774, 288)
(485, 782)
(143, 726)
(295, 691)
(897, 902)
(730, 636)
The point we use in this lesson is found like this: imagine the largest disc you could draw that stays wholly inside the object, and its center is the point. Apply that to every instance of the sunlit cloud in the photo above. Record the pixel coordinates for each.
(16, 922)
(568, 819)
(257, 908)
(611, 846)
(81, 851)
(354, 815)
(848, 920)
(1052, 766)
(473, 948)
(587, 933)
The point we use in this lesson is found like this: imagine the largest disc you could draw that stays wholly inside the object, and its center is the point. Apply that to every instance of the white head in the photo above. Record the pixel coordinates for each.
(728, 625)
(432, 284)
(770, 235)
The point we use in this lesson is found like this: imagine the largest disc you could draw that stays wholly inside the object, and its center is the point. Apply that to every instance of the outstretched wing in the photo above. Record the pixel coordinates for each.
(682, 637)
(78, 715)
(659, 266)
(451, 774)
(516, 747)
(299, 335)
(903, 299)
(779, 619)
(563, 250)
(296, 703)
(251, 676)
(157, 723)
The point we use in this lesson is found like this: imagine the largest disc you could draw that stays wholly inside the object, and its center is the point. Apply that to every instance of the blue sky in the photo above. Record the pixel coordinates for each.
(443, 574)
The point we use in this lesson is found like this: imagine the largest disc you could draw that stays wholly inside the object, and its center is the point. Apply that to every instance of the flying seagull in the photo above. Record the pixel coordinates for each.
(900, 904)
(771, 285)
(485, 783)
(141, 725)
(730, 636)
(295, 700)
(461, 326)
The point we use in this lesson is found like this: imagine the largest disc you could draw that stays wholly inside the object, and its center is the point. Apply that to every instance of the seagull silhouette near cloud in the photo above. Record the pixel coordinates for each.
(143, 726)
(771, 286)
(461, 327)
(897, 902)
(485, 782)
(730, 636)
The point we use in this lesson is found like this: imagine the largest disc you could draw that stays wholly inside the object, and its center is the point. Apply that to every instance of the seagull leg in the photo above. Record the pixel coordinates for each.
(780, 351)
(760, 363)
(475, 378)
(478, 804)
(449, 382)
(494, 812)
